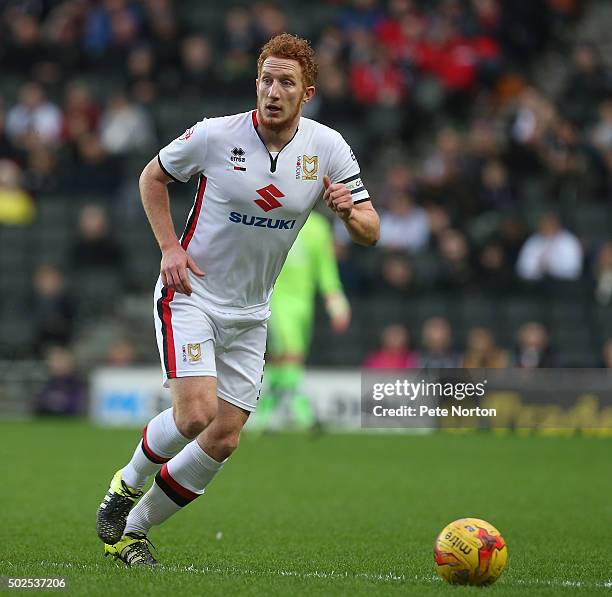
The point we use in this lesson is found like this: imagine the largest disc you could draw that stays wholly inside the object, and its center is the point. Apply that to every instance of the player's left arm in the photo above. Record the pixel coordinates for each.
(360, 219)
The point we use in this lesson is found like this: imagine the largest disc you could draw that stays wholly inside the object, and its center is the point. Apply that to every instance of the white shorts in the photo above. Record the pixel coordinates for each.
(195, 339)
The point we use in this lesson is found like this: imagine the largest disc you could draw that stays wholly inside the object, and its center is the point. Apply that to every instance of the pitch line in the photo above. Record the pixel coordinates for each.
(392, 577)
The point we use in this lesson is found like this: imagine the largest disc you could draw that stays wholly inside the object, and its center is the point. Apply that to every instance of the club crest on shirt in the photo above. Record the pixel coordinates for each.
(192, 352)
(310, 167)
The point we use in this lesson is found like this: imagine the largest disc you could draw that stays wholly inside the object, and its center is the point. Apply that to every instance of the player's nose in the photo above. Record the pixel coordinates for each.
(273, 90)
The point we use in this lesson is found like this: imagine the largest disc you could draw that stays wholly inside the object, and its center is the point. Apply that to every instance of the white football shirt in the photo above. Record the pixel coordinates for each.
(249, 204)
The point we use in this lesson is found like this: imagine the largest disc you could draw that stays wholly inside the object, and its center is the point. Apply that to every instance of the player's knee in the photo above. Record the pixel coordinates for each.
(230, 442)
(225, 443)
(191, 423)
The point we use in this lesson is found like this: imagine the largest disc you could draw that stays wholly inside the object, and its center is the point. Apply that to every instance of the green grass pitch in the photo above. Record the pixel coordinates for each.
(338, 515)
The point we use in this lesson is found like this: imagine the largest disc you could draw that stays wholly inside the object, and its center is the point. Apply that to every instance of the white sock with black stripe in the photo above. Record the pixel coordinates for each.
(178, 483)
(161, 440)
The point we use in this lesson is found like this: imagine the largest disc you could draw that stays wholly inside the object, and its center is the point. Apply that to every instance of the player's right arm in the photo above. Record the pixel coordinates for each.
(153, 185)
(178, 161)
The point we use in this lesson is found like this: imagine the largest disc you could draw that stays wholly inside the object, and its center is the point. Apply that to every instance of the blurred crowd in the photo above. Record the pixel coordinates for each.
(532, 349)
(478, 168)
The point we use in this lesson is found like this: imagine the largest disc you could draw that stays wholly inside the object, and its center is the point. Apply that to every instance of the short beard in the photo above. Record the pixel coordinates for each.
(279, 125)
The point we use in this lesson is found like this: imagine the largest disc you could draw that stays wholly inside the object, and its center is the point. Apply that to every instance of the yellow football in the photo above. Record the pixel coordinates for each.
(470, 551)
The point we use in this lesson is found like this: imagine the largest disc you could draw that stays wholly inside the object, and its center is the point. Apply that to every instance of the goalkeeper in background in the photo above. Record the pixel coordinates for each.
(310, 265)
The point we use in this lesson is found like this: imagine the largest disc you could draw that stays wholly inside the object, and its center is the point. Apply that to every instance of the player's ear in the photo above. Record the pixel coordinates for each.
(308, 94)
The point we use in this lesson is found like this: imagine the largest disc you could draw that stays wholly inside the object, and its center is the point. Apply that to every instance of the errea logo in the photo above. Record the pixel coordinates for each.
(237, 155)
(269, 198)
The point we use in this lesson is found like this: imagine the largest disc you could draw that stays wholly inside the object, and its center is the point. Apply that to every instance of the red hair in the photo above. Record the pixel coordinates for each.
(291, 47)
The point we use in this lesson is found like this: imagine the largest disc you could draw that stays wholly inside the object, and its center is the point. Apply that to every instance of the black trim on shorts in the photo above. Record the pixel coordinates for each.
(160, 313)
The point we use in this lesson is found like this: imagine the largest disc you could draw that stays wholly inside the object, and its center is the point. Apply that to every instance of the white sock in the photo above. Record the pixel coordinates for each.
(161, 440)
(153, 508)
(193, 468)
(177, 484)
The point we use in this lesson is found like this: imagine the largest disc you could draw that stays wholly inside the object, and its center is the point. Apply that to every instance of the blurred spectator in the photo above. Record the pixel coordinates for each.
(94, 247)
(512, 232)
(41, 176)
(397, 30)
(602, 273)
(551, 252)
(141, 68)
(268, 20)
(397, 277)
(63, 28)
(122, 353)
(494, 271)
(530, 122)
(608, 163)
(455, 268)
(239, 35)
(601, 135)
(375, 79)
(533, 350)
(8, 150)
(198, 77)
(570, 165)
(399, 180)
(24, 45)
(330, 47)
(53, 308)
(588, 84)
(439, 219)
(454, 60)
(111, 28)
(65, 392)
(360, 14)
(16, 205)
(94, 172)
(126, 127)
(441, 169)
(524, 29)
(81, 112)
(34, 115)
(483, 148)
(336, 105)
(495, 191)
(240, 44)
(436, 351)
(482, 352)
(165, 31)
(404, 226)
(394, 351)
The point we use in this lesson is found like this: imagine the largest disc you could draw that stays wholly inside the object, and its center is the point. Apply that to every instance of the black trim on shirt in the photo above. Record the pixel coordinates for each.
(361, 201)
(273, 160)
(350, 178)
(357, 190)
(166, 171)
